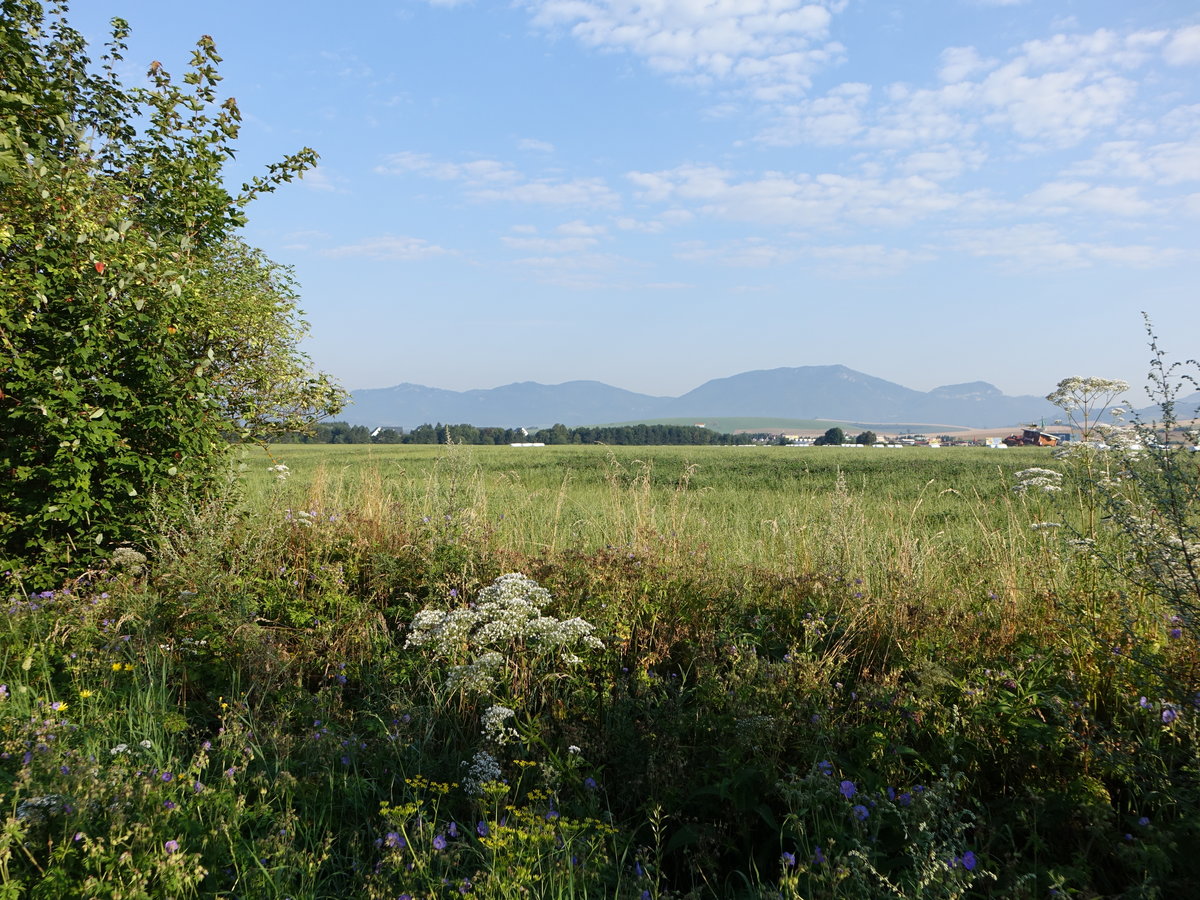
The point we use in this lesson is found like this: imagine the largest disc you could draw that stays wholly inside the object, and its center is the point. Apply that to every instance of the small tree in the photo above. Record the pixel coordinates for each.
(866, 437)
(136, 332)
(833, 437)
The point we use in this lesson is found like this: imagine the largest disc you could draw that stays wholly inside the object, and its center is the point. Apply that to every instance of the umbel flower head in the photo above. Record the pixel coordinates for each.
(506, 618)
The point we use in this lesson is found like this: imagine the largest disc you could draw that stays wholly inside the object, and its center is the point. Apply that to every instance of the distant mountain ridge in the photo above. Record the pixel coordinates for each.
(805, 392)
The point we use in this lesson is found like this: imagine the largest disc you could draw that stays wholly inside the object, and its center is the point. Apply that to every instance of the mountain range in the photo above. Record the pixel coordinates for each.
(833, 393)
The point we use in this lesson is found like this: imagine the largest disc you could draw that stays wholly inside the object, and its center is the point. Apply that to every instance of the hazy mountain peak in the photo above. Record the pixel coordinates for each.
(972, 390)
(801, 392)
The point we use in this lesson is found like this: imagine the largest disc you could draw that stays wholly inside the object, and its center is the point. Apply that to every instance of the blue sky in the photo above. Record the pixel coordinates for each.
(656, 193)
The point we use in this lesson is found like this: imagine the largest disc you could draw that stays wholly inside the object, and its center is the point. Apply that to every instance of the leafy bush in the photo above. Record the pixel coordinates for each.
(137, 334)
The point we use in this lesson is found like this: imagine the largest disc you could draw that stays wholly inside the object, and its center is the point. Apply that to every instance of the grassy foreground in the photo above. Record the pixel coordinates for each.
(727, 672)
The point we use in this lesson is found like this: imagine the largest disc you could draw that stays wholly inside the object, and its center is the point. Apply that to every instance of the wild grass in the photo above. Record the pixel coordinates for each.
(807, 673)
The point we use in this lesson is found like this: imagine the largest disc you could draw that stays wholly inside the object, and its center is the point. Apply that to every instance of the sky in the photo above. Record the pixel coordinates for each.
(654, 193)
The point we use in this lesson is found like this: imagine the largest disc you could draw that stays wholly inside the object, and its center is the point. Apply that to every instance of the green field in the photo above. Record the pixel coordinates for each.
(769, 507)
(754, 672)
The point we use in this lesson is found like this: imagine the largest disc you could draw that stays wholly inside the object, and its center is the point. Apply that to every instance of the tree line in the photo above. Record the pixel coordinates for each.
(630, 435)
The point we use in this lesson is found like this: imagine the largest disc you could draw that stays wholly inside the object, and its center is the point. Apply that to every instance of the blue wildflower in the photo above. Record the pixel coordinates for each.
(848, 789)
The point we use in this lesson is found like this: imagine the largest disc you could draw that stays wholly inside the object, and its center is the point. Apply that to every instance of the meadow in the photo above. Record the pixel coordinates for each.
(720, 672)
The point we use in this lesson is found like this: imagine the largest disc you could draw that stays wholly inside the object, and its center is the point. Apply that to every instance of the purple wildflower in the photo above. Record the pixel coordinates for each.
(788, 859)
(171, 846)
(968, 861)
(439, 842)
(394, 841)
(482, 829)
(860, 812)
(848, 789)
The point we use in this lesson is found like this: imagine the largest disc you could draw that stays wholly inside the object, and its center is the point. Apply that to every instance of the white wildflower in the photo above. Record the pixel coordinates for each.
(505, 626)
(481, 770)
(494, 727)
(1045, 480)
(281, 471)
(478, 676)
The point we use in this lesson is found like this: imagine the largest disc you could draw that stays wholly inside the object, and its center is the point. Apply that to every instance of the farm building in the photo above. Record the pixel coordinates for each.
(1031, 437)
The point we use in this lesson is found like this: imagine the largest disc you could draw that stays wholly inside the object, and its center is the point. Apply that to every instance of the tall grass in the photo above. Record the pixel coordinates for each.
(823, 673)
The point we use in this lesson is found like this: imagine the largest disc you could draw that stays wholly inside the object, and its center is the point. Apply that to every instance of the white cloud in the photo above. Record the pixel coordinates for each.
(745, 253)
(303, 240)
(478, 171)
(577, 192)
(1043, 247)
(388, 247)
(1184, 47)
(580, 228)
(772, 47)
(1060, 197)
(825, 200)
(550, 245)
(1169, 163)
(960, 63)
(847, 260)
(318, 179)
(535, 145)
(491, 180)
(942, 162)
(1052, 93)
(1061, 107)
